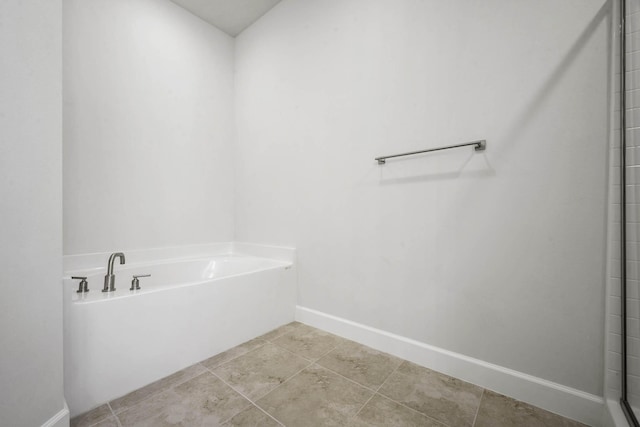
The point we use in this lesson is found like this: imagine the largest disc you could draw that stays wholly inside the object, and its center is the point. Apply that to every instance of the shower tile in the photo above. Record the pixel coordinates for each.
(496, 409)
(252, 417)
(258, 372)
(382, 412)
(276, 333)
(232, 353)
(203, 400)
(447, 399)
(309, 342)
(360, 363)
(133, 398)
(315, 397)
(92, 417)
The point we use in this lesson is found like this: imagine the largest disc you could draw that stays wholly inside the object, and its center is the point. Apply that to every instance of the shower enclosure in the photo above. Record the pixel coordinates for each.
(628, 95)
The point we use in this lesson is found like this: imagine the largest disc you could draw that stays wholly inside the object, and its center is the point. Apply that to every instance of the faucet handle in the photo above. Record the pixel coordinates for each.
(135, 283)
(83, 286)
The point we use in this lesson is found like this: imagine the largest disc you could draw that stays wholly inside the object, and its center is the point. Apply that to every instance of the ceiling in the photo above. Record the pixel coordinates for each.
(231, 16)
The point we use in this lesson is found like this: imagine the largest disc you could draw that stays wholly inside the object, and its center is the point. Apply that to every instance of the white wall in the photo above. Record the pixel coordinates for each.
(31, 390)
(498, 255)
(148, 127)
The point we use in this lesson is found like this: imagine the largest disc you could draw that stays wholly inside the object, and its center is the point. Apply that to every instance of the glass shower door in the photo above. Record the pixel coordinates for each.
(630, 209)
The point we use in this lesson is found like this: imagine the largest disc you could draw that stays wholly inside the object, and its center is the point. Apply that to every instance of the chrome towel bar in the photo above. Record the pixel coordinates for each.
(479, 146)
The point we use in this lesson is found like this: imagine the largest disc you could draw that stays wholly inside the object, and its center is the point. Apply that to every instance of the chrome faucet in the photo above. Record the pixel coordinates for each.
(110, 278)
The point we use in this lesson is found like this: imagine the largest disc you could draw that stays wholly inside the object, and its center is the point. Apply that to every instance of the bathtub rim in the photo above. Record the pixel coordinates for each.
(104, 297)
(93, 264)
(144, 264)
(96, 261)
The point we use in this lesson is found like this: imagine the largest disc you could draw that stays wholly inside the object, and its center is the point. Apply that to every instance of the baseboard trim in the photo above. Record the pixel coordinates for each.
(61, 419)
(566, 401)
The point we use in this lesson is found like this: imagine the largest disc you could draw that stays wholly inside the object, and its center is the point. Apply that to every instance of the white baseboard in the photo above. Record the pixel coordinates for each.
(566, 401)
(61, 419)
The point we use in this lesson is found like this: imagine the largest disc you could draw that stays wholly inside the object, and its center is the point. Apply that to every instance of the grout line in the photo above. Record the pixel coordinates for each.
(101, 419)
(285, 381)
(478, 409)
(243, 395)
(201, 363)
(311, 363)
(308, 359)
(284, 333)
(389, 376)
(346, 378)
(442, 423)
(114, 415)
(402, 404)
(408, 407)
(363, 405)
(162, 390)
(376, 391)
(413, 410)
(332, 350)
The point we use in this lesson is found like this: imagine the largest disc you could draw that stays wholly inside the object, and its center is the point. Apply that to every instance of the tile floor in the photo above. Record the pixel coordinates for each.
(297, 375)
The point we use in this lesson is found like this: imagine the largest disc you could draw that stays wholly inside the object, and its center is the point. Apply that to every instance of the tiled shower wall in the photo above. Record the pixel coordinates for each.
(632, 113)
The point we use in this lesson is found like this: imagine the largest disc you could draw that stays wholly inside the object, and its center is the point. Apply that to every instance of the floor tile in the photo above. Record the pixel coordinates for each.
(91, 417)
(277, 372)
(449, 400)
(276, 333)
(109, 422)
(382, 412)
(360, 363)
(309, 342)
(135, 397)
(202, 401)
(315, 397)
(258, 372)
(232, 353)
(252, 417)
(498, 410)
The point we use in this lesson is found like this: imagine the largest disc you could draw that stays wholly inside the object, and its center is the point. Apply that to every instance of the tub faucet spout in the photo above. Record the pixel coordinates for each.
(110, 278)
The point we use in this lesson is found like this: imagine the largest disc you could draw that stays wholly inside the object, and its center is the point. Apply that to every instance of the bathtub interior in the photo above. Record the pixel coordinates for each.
(165, 274)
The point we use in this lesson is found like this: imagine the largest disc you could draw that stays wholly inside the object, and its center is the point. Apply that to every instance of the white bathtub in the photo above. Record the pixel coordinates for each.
(187, 311)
